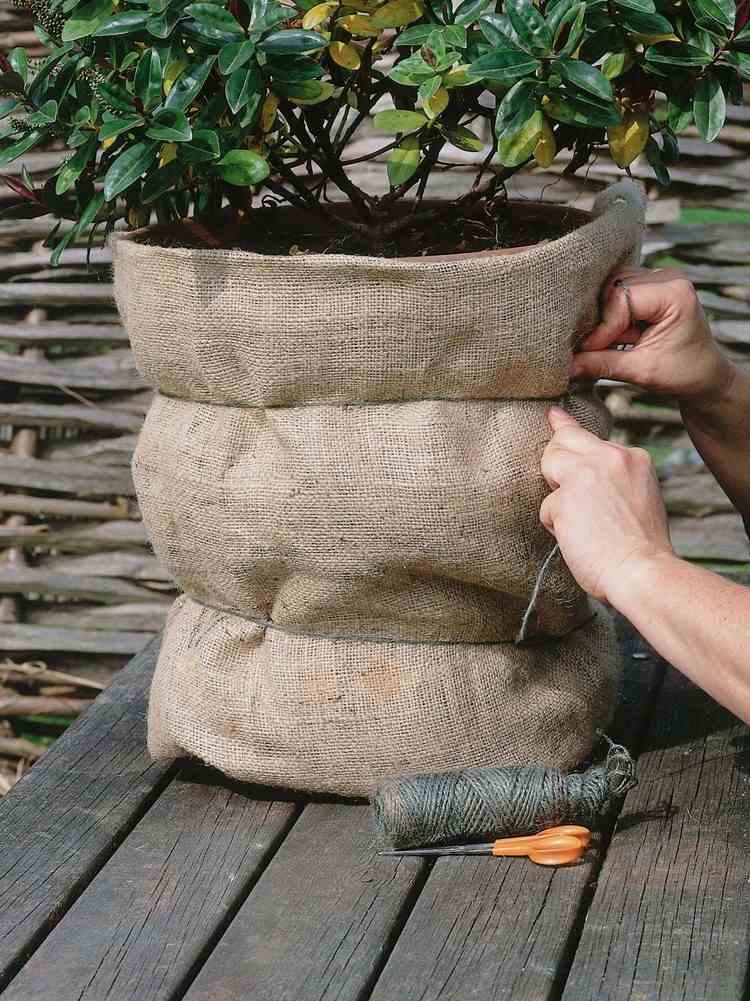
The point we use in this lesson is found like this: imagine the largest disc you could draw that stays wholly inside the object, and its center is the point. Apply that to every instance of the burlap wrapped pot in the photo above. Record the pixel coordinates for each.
(341, 469)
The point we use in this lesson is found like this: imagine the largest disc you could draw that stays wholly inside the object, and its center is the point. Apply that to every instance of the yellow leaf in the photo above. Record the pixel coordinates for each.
(268, 112)
(654, 39)
(358, 24)
(397, 13)
(168, 153)
(345, 55)
(318, 14)
(175, 67)
(628, 140)
(106, 143)
(458, 77)
(546, 149)
(437, 104)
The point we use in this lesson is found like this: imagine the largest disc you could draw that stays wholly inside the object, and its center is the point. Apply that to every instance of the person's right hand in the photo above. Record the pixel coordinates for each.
(673, 351)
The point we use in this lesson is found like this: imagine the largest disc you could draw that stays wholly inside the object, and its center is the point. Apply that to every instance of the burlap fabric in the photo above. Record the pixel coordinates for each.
(341, 470)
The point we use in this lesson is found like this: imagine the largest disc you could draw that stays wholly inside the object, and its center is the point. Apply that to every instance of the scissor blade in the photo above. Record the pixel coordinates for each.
(448, 850)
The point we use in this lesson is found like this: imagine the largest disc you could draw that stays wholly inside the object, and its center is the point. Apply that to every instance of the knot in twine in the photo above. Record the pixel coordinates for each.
(490, 802)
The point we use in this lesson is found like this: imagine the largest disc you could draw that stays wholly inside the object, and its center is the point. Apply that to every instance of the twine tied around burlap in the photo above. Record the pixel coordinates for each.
(491, 802)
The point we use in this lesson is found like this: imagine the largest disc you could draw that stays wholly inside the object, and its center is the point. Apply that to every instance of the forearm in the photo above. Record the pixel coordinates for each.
(720, 430)
(698, 621)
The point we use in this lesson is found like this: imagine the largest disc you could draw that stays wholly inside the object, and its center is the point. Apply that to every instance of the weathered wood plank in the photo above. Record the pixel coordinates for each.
(60, 507)
(110, 535)
(46, 294)
(133, 617)
(104, 451)
(671, 915)
(112, 371)
(131, 565)
(499, 928)
(319, 920)
(718, 537)
(724, 306)
(80, 478)
(31, 580)
(62, 333)
(43, 639)
(65, 818)
(695, 494)
(146, 920)
(69, 415)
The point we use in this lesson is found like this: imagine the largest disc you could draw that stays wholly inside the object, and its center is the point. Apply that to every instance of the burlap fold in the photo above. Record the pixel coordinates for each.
(341, 469)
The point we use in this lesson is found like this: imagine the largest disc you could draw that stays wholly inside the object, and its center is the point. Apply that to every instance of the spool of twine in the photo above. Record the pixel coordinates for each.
(487, 803)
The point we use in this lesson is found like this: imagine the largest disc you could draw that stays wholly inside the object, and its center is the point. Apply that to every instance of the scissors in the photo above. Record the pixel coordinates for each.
(555, 846)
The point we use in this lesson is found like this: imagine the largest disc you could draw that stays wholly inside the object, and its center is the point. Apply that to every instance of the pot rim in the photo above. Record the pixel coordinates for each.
(134, 239)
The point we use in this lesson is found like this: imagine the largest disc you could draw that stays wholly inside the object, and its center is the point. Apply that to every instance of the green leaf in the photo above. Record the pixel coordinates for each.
(416, 35)
(518, 144)
(644, 6)
(668, 54)
(429, 88)
(646, 24)
(243, 167)
(709, 107)
(240, 85)
(161, 181)
(584, 77)
(293, 42)
(577, 111)
(498, 31)
(504, 66)
(204, 146)
(532, 30)
(399, 121)
(128, 167)
(19, 148)
(463, 138)
(412, 71)
(115, 98)
(653, 155)
(87, 19)
(19, 60)
(306, 92)
(469, 11)
(148, 78)
(116, 125)
(679, 111)
(129, 22)
(234, 55)
(171, 126)
(617, 63)
(293, 69)
(44, 116)
(163, 25)
(518, 101)
(215, 21)
(72, 169)
(575, 22)
(403, 161)
(189, 84)
(718, 13)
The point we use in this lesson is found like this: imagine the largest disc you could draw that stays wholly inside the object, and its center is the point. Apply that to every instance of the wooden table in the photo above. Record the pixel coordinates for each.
(126, 880)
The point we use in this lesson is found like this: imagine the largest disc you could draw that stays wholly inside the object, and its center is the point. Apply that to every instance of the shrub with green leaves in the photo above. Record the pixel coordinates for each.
(180, 108)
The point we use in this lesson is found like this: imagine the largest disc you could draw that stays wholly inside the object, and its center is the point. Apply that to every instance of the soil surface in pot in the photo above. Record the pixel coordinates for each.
(285, 231)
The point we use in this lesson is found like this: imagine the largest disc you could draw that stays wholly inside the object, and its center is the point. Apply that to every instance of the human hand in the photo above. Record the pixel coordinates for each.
(675, 351)
(605, 509)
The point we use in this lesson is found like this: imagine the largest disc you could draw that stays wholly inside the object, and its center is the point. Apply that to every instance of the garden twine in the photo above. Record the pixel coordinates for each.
(476, 803)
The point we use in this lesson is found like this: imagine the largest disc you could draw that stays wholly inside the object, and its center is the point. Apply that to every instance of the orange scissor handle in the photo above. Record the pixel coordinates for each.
(555, 846)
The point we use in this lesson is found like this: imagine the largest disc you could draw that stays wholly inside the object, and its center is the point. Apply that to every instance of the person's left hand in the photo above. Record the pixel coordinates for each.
(605, 509)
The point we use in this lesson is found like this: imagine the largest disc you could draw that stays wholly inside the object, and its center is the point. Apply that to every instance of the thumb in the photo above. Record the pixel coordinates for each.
(621, 365)
(559, 418)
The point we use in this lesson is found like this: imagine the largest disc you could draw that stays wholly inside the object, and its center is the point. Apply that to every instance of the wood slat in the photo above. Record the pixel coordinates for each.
(45, 294)
(61, 822)
(670, 919)
(142, 925)
(320, 919)
(33, 580)
(112, 371)
(496, 929)
(55, 333)
(80, 478)
(51, 639)
(69, 415)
